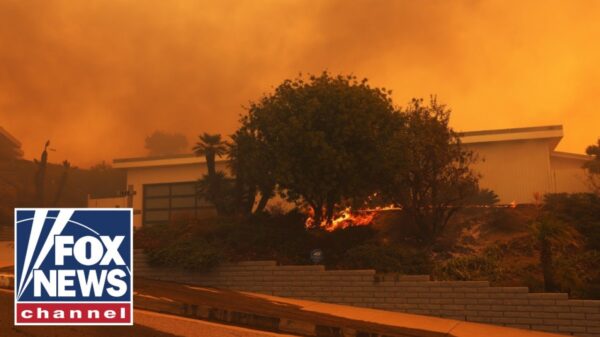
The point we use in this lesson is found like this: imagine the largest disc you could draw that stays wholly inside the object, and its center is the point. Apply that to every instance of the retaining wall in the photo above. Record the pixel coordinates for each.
(474, 301)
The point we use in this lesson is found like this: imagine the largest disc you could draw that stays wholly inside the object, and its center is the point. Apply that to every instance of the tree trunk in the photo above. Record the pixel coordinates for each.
(210, 164)
(62, 183)
(40, 177)
(264, 198)
(547, 267)
(249, 200)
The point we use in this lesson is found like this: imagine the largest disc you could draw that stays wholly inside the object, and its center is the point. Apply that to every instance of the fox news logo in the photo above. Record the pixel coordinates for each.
(73, 266)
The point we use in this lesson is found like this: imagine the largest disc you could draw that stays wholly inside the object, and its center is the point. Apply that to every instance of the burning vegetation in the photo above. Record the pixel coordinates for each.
(343, 219)
(341, 148)
(348, 217)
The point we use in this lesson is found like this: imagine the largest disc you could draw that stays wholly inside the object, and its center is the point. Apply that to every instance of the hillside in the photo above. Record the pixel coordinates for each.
(17, 188)
(498, 244)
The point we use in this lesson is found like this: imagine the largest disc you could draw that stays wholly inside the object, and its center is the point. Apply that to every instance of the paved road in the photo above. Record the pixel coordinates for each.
(191, 327)
(6, 253)
(147, 324)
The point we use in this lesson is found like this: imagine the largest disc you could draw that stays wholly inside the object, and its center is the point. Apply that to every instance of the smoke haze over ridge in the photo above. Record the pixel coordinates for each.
(96, 77)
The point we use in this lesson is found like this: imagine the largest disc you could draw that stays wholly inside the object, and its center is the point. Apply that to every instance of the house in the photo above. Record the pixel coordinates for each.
(515, 163)
(518, 163)
(163, 188)
(10, 147)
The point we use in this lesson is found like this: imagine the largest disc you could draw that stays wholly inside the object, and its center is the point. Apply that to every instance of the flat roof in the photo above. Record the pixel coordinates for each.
(551, 132)
(169, 160)
(173, 156)
(512, 130)
(554, 133)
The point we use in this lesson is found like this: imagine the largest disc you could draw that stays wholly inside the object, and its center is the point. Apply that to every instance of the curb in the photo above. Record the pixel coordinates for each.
(303, 325)
(233, 317)
(246, 319)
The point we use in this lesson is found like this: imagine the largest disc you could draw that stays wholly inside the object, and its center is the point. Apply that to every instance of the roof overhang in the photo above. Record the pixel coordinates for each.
(184, 159)
(553, 133)
(160, 161)
(573, 156)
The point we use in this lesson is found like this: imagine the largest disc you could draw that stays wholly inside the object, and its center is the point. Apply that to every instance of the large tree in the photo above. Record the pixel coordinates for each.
(435, 179)
(325, 136)
(593, 166)
(251, 164)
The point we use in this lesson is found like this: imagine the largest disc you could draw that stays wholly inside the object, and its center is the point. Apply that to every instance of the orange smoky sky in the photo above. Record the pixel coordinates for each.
(96, 77)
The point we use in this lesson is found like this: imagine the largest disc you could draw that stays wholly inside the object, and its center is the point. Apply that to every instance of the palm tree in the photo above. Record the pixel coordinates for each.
(548, 232)
(215, 190)
(40, 175)
(210, 146)
(212, 184)
(62, 182)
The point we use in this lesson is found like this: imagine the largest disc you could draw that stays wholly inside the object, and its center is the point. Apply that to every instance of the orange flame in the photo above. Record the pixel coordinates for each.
(347, 218)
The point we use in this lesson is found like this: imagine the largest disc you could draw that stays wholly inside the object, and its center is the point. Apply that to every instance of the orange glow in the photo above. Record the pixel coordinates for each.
(344, 219)
(96, 77)
(348, 218)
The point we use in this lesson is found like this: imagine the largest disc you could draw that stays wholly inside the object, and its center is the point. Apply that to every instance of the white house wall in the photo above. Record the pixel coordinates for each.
(515, 170)
(568, 175)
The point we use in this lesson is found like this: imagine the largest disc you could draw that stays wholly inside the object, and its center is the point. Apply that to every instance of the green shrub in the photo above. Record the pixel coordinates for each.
(578, 274)
(387, 259)
(184, 246)
(152, 236)
(198, 255)
(335, 245)
(483, 196)
(282, 238)
(504, 220)
(472, 267)
(580, 210)
(261, 237)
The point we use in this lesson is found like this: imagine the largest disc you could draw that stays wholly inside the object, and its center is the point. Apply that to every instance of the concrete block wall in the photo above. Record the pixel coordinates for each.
(474, 301)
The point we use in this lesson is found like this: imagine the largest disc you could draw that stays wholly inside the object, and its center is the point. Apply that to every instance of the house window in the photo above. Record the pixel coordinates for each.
(164, 203)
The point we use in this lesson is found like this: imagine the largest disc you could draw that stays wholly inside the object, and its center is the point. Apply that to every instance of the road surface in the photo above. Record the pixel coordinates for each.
(147, 324)
(182, 326)
(6, 253)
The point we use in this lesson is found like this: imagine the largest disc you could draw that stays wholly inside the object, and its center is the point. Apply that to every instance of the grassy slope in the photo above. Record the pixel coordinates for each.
(494, 244)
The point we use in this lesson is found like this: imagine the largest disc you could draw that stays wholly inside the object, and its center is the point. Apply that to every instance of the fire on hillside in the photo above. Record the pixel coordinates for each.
(348, 218)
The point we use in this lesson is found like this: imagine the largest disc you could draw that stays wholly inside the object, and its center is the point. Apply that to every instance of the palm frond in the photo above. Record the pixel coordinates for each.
(210, 144)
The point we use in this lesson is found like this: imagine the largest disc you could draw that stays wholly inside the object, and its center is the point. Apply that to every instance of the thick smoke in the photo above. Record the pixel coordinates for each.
(96, 77)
